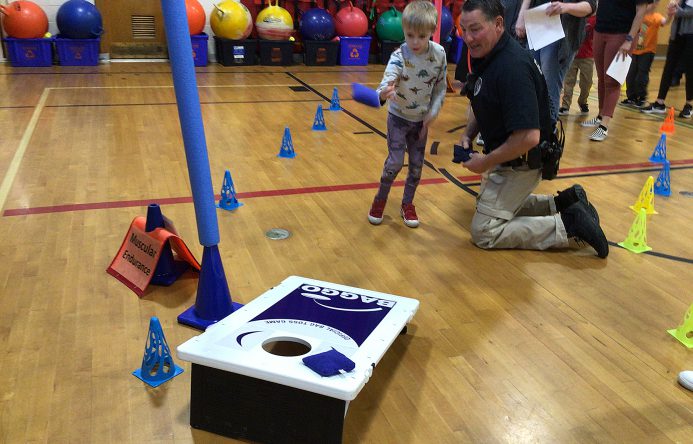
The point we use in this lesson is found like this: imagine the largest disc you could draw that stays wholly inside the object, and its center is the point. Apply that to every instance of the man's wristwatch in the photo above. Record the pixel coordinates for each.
(629, 38)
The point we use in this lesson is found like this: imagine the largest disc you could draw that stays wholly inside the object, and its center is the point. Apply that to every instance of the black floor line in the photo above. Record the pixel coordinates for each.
(662, 255)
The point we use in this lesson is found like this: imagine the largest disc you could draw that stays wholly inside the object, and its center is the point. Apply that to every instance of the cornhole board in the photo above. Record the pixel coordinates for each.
(242, 388)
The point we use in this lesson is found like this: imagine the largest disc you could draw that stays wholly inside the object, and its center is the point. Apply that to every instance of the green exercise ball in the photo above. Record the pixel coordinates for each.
(389, 26)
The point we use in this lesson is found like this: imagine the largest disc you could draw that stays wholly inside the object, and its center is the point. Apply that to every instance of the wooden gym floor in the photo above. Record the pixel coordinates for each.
(507, 346)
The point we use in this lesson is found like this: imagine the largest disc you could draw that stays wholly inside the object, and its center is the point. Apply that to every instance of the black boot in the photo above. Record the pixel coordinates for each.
(569, 196)
(580, 224)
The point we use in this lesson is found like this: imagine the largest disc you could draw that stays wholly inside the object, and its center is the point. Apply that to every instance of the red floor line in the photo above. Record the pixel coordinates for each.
(304, 190)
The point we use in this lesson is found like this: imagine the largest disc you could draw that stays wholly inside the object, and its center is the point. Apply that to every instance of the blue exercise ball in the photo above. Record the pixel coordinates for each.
(317, 24)
(446, 24)
(79, 19)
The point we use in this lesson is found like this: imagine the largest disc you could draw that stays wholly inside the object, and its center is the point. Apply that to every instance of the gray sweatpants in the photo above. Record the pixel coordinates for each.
(508, 215)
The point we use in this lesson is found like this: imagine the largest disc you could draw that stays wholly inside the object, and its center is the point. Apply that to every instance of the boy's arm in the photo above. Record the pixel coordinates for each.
(439, 91)
(391, 76)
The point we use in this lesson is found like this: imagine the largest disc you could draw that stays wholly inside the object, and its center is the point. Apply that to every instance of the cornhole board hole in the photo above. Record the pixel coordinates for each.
(248, 377)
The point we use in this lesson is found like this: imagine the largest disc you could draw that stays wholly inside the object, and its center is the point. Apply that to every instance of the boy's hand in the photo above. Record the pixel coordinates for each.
(427, 121)
(388, 92)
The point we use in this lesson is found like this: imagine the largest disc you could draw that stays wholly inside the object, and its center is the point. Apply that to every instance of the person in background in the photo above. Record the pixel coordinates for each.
(584, 64)
(638, 77)
(680, 50)
(618, 23)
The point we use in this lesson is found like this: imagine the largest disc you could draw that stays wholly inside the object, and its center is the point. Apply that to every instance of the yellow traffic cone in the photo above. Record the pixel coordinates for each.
(684, 332)
(646, 198)
(637, 235)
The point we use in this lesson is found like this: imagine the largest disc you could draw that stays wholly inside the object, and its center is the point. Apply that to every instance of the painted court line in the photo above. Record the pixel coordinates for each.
(12, 169)
(464, 180)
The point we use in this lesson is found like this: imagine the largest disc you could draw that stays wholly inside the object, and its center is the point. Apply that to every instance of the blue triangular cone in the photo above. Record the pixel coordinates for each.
(213, 301)
(660, 152)
(334, 104)
(157, 362)
(287, 149)
(319, 121)
(662, 186)
(167, 269)
(228, 200)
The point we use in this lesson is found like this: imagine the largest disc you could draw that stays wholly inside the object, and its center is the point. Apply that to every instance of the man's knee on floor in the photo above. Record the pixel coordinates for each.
(482, 238)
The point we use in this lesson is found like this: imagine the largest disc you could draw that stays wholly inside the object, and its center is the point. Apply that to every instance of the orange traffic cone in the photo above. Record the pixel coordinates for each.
(668, 124)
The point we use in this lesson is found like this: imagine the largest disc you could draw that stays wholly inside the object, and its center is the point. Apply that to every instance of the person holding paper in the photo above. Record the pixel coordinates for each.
(618, 23)
(556, 58)
(680, 50)
(512, 112)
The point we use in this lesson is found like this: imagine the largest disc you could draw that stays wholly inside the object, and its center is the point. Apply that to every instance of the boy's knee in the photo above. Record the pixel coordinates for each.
(481, 238)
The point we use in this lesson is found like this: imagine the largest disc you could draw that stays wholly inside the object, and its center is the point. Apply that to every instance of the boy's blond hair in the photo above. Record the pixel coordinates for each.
(420, 15)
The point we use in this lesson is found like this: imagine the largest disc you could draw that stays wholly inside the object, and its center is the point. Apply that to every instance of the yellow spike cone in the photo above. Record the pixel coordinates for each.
(637, 235)
(684, 332)
(646, 198)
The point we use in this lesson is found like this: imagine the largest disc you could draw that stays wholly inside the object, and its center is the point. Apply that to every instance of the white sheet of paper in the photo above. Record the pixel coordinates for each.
(618, 70)
(542, 30)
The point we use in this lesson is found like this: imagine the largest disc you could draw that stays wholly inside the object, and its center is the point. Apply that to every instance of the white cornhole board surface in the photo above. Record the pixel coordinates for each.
(360, 324)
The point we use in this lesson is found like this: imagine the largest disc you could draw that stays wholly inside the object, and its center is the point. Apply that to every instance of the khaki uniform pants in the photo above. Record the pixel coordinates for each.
(508, 215)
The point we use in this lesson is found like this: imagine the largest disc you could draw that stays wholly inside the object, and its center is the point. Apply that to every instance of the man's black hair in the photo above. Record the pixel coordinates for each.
(490, 8)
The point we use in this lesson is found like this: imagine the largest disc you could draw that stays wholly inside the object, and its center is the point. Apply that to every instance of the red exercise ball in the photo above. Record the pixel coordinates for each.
(351, 22)
(196, 16)
(24, 20)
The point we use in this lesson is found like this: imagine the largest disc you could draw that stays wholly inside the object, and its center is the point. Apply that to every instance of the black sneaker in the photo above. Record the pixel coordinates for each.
(628, 102)
(584, 109)
(581, 225)
(569, 196)
(655, 108)
(563, 111)
(687, 110)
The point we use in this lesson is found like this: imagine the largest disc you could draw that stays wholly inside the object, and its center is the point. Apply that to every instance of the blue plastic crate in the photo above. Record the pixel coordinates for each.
(199, 47)
(77, 52)
(30, 52)
(354, 50)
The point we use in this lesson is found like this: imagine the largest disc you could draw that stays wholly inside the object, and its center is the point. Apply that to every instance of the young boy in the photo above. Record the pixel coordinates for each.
(639, 73)
(584, 62)
(414, 84)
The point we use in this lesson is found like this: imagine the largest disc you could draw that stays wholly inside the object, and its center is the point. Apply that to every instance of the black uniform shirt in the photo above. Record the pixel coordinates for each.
(509, 93)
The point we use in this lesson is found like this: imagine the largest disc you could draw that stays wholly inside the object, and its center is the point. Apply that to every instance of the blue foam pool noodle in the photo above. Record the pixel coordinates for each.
(365, 95)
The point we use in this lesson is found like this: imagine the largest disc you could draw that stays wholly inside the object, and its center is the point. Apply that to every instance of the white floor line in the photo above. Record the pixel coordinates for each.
(12, 169)
(208, 86)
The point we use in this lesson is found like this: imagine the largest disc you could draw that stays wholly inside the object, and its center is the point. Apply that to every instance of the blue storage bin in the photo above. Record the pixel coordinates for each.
(77, 52)
(30, 52)
(199, 47)
(354, 50)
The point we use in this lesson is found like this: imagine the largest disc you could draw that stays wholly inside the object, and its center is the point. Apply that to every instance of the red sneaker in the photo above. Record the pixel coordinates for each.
(408, 213)
(375, 216)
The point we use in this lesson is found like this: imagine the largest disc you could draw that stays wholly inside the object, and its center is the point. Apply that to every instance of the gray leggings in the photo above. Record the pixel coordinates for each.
(402, 136)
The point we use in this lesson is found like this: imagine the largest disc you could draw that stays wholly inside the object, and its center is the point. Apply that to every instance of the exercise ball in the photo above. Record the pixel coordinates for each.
(317, 24)
(274, 23)
(79, 19)
(196, 16)
(231, 20)
(446, 24)
(351, 22)
(389, 25)
(24, 20)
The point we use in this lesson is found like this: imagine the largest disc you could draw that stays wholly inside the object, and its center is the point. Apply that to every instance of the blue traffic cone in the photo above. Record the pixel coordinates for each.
(167, 269)
(213, 302)
(662, 186)
(228, 200)
(319, 121)
(157, 362)
(659, 154)
(334, 104)
(287, 149)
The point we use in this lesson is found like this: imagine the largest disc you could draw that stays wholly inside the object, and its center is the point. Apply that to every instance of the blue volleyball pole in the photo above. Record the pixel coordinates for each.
(213, 301)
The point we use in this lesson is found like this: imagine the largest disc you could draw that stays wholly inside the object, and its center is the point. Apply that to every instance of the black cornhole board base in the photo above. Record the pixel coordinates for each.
(242, 407)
